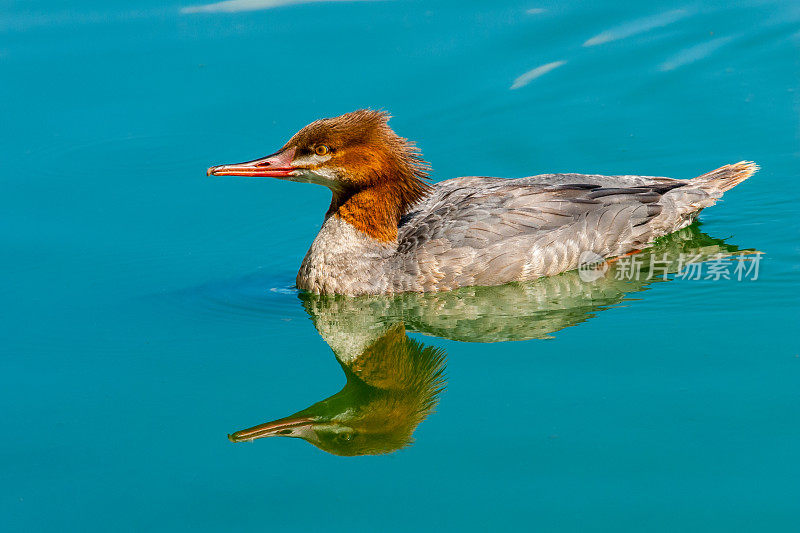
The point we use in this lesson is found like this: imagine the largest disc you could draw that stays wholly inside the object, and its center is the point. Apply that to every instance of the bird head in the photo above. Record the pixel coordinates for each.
(350, 152)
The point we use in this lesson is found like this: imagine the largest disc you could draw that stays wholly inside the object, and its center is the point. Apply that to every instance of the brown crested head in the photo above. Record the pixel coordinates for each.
(361, 149)
(375, 175)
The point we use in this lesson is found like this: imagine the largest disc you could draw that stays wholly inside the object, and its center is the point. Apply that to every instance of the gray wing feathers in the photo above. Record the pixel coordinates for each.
(488, 231)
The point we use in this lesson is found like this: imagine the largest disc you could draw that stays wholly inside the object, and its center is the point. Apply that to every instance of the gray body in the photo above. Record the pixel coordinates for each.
(491, 231)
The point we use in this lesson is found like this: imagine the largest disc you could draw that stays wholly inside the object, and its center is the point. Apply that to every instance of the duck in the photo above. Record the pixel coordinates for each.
(389, 229)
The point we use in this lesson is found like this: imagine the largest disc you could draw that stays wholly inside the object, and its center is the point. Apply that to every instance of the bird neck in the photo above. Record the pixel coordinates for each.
(375, 209)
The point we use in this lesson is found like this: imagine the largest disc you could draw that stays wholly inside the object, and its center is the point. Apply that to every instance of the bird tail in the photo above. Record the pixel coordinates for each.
(724, 178)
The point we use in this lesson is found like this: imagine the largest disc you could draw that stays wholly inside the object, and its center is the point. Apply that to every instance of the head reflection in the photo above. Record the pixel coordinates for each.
(394, 382)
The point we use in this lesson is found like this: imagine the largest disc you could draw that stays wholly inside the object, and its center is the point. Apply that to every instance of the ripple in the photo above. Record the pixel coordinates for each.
(236, 6)
(532, 74)
(694, 53)
(637, 26)
(251, 298)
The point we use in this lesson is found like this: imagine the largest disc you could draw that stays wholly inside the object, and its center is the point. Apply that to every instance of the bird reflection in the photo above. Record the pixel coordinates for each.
(394, 381)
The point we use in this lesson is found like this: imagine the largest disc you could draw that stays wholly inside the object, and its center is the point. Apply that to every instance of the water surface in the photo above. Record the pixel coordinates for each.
(148, 311)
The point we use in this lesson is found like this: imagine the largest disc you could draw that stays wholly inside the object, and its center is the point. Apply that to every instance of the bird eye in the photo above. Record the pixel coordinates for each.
(345, 436)
(321, 150)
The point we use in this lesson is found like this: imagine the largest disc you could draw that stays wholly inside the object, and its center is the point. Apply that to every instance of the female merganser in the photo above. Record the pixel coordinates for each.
(388, 231)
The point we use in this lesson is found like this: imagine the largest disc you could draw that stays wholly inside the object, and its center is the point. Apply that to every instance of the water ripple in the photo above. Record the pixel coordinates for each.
(694, 53)
(251, 299)
(235, 6)
(531, 75)
(637, 26)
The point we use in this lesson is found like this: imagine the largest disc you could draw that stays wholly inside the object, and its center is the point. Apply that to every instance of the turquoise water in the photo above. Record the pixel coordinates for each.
(148, 311)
